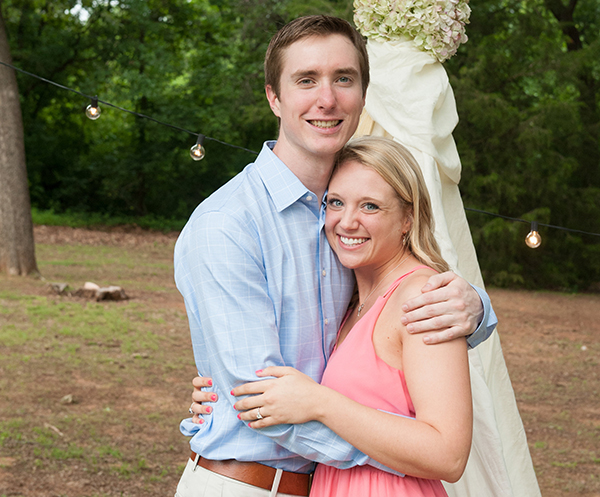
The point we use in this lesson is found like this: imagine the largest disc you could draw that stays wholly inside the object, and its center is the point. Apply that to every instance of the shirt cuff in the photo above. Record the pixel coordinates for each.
(188, 428)
(488, 322)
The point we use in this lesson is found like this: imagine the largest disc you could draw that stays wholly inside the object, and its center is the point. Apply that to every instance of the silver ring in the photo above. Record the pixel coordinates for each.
(258, 414)
(190, 409)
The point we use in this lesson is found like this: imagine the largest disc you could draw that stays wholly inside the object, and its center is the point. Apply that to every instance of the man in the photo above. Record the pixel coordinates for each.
(260, 283)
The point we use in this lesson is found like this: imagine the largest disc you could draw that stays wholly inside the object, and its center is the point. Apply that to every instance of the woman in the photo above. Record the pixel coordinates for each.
(403, 403)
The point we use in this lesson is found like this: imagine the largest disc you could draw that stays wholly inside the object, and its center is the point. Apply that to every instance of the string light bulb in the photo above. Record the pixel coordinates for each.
(197, 152)
(533, 239)
(92, 110)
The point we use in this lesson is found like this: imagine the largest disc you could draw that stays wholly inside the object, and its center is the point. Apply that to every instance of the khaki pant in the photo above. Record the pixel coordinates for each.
(197, 481)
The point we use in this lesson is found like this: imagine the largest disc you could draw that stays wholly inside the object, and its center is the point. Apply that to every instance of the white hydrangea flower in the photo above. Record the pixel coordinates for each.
(436, 26)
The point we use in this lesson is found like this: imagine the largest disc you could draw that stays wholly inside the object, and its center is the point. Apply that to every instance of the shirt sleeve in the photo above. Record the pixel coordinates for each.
(488, 323)
(219, 271)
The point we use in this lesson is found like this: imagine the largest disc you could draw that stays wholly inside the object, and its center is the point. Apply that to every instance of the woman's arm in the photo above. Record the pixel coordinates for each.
(435, 445)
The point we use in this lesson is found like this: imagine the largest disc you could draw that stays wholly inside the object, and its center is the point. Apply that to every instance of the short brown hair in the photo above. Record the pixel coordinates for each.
(303, 27)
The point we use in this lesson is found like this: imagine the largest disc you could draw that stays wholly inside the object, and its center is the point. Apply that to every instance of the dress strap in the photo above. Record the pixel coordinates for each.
(395, 284)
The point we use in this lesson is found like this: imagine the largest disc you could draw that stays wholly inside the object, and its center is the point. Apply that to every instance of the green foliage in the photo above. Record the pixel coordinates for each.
(527, 86)
(99, 220)
(196, 64)
(180, 62)
(529, 103)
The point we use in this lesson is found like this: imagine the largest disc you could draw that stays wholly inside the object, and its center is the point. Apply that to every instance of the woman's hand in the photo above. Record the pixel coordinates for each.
(292, 397)
(200, 397)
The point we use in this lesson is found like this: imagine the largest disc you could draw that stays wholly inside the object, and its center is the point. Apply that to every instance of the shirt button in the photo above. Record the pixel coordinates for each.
(327, 321)
(324, 273)
(308, 198)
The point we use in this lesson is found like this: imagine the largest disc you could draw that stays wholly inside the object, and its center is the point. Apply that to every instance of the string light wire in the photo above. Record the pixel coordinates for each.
(529, 222)
(199, 135)
(143, 116)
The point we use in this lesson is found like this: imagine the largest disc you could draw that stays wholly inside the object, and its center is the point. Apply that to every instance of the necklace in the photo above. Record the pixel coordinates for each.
(360, 307)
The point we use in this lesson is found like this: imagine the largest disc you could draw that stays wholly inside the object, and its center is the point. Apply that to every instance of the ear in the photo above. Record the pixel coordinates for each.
(273, 100)
(408, 222)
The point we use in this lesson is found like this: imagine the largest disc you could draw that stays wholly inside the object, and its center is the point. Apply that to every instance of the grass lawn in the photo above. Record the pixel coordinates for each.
(91, 394)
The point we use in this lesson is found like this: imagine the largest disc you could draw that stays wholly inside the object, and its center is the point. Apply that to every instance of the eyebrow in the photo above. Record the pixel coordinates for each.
(313, 72)
(348, 70)
(362, 199)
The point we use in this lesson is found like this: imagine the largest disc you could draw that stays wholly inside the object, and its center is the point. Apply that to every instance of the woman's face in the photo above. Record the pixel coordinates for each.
(365, 220)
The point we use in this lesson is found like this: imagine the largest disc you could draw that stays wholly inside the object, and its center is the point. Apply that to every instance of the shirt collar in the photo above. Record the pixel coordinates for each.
(282, 184)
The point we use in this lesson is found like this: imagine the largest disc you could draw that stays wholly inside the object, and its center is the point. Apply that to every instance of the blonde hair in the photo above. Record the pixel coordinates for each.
(396, 165)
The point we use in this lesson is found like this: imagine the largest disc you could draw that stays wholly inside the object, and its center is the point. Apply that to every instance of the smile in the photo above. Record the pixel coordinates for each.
(352, 241)
(325, 124)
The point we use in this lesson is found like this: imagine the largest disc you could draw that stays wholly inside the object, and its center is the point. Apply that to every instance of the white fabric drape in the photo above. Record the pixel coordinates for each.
(410, 100)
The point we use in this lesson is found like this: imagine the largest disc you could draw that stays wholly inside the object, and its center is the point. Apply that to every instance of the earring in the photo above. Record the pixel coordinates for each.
(404, 238)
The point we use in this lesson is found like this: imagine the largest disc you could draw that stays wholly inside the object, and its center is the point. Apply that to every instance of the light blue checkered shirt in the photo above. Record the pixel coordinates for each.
(262, 288)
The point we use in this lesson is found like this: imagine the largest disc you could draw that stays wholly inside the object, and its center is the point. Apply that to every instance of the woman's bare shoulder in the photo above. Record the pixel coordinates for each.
(410, 287)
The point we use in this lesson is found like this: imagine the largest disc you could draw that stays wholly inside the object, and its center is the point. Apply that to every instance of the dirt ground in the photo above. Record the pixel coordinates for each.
(551, 344)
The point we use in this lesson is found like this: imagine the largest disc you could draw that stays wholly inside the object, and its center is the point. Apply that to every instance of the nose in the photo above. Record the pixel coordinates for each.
(348, 220)
(327, 99)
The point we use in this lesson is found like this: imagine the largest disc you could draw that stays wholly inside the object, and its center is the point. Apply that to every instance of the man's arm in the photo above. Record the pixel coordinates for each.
(449, 307)
(219, 271)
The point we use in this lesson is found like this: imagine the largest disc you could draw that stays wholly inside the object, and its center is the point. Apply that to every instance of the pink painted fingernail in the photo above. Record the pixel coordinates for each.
(200, 421)
(232, 393)
(209, 410)
(210, 383)
(258, 371)
(213, 397)
(239, 416)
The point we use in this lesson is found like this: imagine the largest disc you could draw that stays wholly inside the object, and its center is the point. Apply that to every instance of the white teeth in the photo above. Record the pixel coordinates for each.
(325, 124)
(352, 241)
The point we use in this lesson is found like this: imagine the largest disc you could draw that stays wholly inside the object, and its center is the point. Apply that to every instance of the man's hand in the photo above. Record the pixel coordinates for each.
(448, 306)
(199, 397)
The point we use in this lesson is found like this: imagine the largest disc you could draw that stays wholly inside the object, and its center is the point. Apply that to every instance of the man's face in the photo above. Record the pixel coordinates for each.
(320, 98)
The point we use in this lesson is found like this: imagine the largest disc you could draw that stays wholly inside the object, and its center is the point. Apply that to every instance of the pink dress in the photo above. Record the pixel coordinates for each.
(355, 370)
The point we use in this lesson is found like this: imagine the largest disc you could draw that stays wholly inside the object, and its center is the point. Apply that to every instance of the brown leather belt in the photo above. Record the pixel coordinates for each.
(257, 474)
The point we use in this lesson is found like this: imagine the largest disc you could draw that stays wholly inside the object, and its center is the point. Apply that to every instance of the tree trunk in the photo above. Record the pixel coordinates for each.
(564, 16)
(17, 249)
